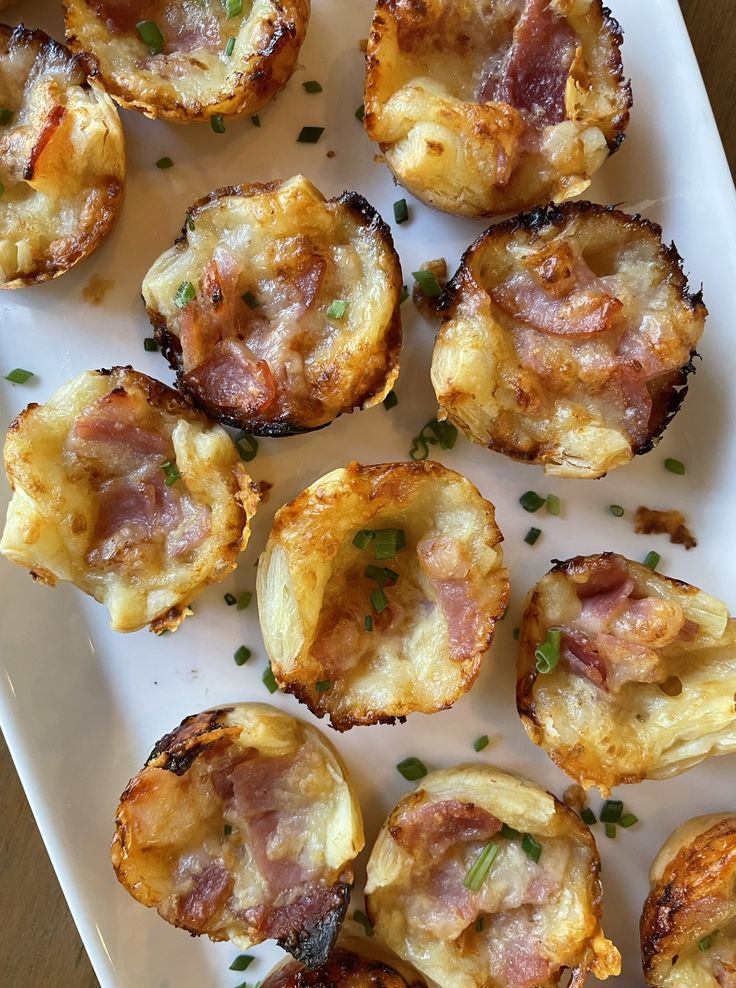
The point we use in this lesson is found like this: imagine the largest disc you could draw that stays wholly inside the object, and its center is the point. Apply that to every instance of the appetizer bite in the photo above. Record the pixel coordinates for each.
(688, 927)
(189, 61)
(379, 590)
(125, 490)
(62, 159)
(243, 825)
(484, 108)
(624, 674)
(278, 309)
(568, 338)
(480, 878)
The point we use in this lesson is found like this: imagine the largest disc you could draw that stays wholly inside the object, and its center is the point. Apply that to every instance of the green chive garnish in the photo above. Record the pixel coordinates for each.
(547, 655)
(184, 294)
(628, 820)
(19, 376)
(227, 830)
(707, 942)
(230, 47)
(388, 542)
(379, 600)
(611, 830)
(151, 36)
(674, 466)
(171, 472)
(244, 600)
(390, 401)
(323, 685)
(247, 446)
(404, 295)
(433, 433)
(360, 113)
(337, 309)
(616, 510)
(508, 832)
(360, 917)
(480, 743)
(242, 655)
(401, 211)
(530, 847)
(515, 634)
(217, 123)
(479, 925)
(150, 344)
(230, 599)
(312, 86)
(588, 816)
(478, 873)
(269, 680)
(652, 560)
(190, 223)
(5, 117)
(532, 536)
(233, 8)
(250, 300)
(382, 575)
(310, 135)
(363, 538)
(368, 623)
(164, 163)
(255, 120)
(428, 283)
(242, 963)
(553, 504)
(412, 769)
(531, 501)
(612, 810)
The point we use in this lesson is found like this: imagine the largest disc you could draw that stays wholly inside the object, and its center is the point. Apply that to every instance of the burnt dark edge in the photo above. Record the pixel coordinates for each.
(312, 947)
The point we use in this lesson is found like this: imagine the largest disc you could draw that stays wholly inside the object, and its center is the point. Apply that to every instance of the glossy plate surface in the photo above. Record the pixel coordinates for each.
(81, 707)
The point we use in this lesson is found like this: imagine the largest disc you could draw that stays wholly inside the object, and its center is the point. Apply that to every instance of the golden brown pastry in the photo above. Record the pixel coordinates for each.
(291, 311)
(125, 490)
(189, 61)
(484, 880)
(62, 159)
(484, 108)
(568, 338)
(243, 826)
(614, 660)
(688, 926)
(379, 590)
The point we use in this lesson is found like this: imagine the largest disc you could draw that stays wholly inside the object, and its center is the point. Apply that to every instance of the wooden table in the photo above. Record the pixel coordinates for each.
(39, 945)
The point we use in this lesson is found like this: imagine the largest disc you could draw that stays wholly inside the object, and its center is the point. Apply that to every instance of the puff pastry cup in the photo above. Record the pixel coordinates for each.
(535, 913)
(293, 312)
(364, 634)
(243, 825)
(484, 108)
(568, 339)
(688, 926)
(125, 490)
(175, 60)
(643, 672)
(62, 159)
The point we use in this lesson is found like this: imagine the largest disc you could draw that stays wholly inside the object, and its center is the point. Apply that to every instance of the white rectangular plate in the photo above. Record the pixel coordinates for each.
(81, 707)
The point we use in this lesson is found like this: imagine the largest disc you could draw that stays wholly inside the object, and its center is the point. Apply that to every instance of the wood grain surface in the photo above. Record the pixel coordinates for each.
(39, 945)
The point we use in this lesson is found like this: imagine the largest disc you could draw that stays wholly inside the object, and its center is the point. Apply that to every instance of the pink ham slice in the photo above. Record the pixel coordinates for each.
(233, 380)
(109, 432)
(186, 25)
(207, 896)
(437, 826)
(516, 952)
(443, 563)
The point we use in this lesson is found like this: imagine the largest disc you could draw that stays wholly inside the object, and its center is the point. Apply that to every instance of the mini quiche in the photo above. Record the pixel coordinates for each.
(482, 879)
(483, 108)
(122, 488)
(379, 590)
(279, 310)
(189, 61)
(62, 159)
(624, 674)
(568, 338)
(243, 826)
(688, 927)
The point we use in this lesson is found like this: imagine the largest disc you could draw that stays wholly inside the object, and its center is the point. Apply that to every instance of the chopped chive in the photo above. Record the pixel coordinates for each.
(250, 300)
(368, 623)
(532, 536)
(553, 504)
(412, 769)
(401, 211)
(269, 680)
(508, 832)
(255, 120)
(247, 446)
(652, 560)
(230, 599)
(612, 810)
(151, 36)
(190, 223)
(150, 344)
(227, 830)
(588, 816)
(171, 472)
(480, 743)
(390, 401)
(363, 538)
(5, 117)
(242, 963)
(479, 871)
(628, 820)
(217, 123)
(379, 600)
(547, 655)
(19, 376)
(233, 8)
(432, 434)
(184, 294)
(244, 600)
(515, 634)
(674, 466)
(611, 830)
(531, 847)
(428, 283)
(323, 685)
(382, 575)
(338, 308)
(310, 135)
(242, 655)
(387, 542)
(312, 86)
(616, 510)
(230, 47)
(360, 917)
(164, 163)
(707, 942)
(531, 501)
(360, 113)
(479, 925)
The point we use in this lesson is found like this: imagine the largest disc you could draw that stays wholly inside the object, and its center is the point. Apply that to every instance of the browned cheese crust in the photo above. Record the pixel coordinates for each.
(351, 964)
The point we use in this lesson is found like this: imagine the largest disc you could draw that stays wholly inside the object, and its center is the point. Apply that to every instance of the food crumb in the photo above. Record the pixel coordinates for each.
(427, 305)
(574, 797)
(330, 154)
(264, 490)
(96, 289)
(379, 159)
(363, 45)
(649, 521)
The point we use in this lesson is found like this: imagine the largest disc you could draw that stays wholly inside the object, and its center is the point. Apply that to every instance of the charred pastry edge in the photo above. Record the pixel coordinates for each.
(368, 218)
(615, 66)
(83, 245)
(312, 947)
(673, 895)
(557, 215)
(286, 33)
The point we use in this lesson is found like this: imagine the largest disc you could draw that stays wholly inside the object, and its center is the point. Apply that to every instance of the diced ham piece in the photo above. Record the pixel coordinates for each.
(445, 565)
(579, 651)
(598, 611)
(437, 826)
(208, 894)
(307, 911)
(602, 575)
(109, 431)
(233, 379)
(186, 25)
(516, 951)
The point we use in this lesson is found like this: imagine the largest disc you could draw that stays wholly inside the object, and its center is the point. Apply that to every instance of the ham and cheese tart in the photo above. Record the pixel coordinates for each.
(279, 310)
(62, 159)
(192, 60)
(379, 590)
(243, 826)
(614, 660)
(484, 108)
(125, 490)
(688, 926)
(481, 879)
(568, 338)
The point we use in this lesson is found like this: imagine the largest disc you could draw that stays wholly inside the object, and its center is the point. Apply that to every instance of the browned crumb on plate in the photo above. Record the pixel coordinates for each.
(575, 798)
(379, 159)
(649, 521)
(330, 154)
(429, 307)
(264, 490)
(96, 289)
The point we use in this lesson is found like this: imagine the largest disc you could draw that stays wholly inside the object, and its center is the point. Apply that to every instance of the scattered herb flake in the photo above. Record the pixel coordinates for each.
(674, 466)
(150, 344)
(171, 472)
(217, 123)
(482, 742)
(616, 510)
(652, 560)
(628, 820)
(151, 36)
(611, 830)
(230, 599)
(588, 816)
(247, 446)
(230, 47)
(531, 847)
(390, 401)
(5, 117)
(255, 120)
(531, 501)
(242, 963)
(310, 135)
(547, 655)
(401, 211)
(412, 769)
(428, 283)
(312, 86)
(338, 308)
(553, 504)
(323, 685)
(244, 600)
(360, 917)
(433, 433)
(19, 376)
(360, 113)
(269, 680)
(612, 810)
(184, 294)
(508, 832)
(479, 871)
(532, 536)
